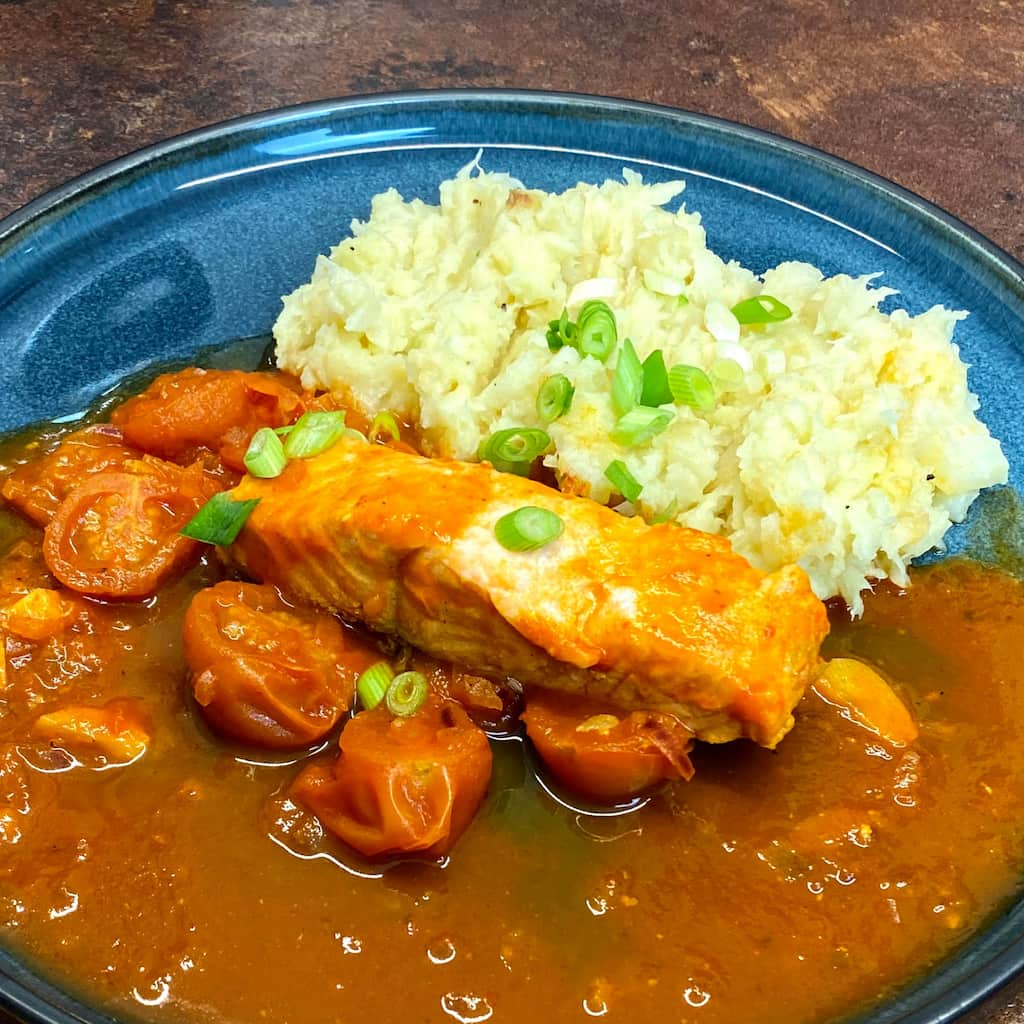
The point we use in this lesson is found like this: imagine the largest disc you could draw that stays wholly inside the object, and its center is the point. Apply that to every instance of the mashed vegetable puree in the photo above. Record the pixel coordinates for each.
(843, 438)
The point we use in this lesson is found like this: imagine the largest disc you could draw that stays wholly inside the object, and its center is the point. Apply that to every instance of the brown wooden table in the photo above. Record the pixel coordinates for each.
(929, 93)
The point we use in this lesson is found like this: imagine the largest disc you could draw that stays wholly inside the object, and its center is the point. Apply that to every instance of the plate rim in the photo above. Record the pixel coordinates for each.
(26, 216)
(949, 1003)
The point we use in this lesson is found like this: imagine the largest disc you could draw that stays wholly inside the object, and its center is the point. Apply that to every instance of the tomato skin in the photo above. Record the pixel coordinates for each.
(268, 674)
(115, 734)
(401, 785)
(116, 535)
(602, 754)
(38, 487)
(218, 410)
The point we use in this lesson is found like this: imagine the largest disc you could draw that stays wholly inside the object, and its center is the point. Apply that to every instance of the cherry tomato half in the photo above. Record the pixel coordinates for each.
(39, 486)
(117, 534)
(401, 785)
(603, 754)
(218, 410)
(266, 673)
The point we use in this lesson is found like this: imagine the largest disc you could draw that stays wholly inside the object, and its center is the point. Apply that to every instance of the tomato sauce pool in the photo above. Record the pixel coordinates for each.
(787, 886)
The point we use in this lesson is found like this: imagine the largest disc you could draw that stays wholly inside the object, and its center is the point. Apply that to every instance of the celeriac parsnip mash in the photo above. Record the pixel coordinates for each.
(848, 444)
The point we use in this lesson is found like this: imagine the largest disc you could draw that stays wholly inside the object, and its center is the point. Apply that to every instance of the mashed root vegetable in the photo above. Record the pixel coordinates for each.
(850, 446)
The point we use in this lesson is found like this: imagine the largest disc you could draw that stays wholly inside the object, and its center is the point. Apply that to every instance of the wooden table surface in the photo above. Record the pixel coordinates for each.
(929, 93)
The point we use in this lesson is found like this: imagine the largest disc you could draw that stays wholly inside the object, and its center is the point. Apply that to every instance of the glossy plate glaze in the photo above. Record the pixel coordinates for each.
(192, 242)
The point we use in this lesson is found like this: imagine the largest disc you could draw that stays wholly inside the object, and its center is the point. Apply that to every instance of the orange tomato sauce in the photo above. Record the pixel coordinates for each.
(782, 887)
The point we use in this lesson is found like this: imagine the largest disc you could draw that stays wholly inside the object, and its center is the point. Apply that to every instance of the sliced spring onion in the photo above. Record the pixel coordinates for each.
(554, 398)
(683, 301)
(513, 450)
(640, 425)
(618, 475)
(761, 309)
(691, 386)
(406, 694)
(373, 684)
(384, 423)
(737, 353)
(667, 514)
(628, 380)
(721, 322)
(727, 374)
(265, 458)
(592, 288)
(662, 284)
(314, 433)
(596, 333)
(528, 528)
(561, 332)
(656, 390)
(284, 431)
(220, 520)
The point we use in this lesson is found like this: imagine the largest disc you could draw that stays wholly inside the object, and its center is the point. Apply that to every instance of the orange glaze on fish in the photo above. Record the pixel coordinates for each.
(656, 617)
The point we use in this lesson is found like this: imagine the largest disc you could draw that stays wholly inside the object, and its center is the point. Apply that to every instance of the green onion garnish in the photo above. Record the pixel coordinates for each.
(284, 431)
(265, 457)
(528, 528)
(220, 520)
(656, 390)
(596, 333)
(662, 284)
(314, 433)
(561, 332)
(667, 515)
(628, 381)
(761, 309)
(727, 374)
(406, 693)
(691, 386)
(554, 397)
(683, 301)
(384, 423)
(640, 425)
(373, 684)
(622, 480)
(513, 450)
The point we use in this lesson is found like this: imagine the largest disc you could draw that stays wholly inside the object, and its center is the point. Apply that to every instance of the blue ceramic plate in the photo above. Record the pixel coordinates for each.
(191, 242)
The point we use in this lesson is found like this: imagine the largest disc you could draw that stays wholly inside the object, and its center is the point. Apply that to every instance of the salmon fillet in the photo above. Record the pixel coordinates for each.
(656, 617)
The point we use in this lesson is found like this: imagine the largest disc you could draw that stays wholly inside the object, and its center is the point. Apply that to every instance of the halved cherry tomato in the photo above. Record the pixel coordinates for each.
(218, 410)
(866, 698)
(603, 754)
(401, 785)
(116, 733)
(117, 534)
(39, 486)
(266, 673)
